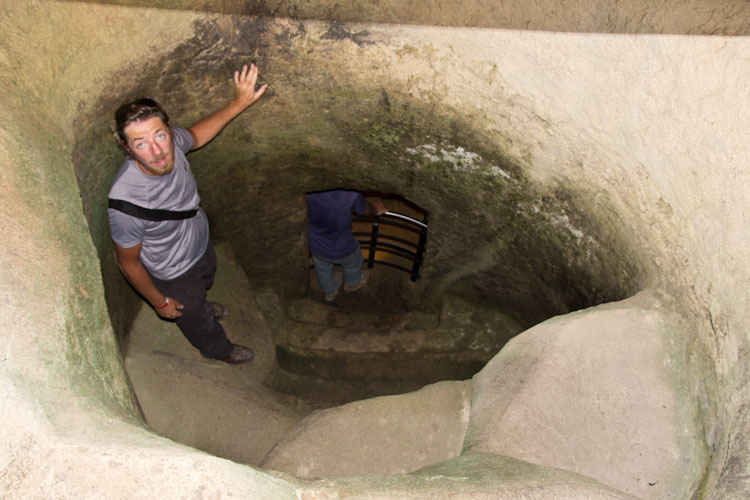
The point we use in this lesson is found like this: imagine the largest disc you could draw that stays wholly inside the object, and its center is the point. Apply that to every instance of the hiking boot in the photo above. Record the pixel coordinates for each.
(239, 355)
(362, 282)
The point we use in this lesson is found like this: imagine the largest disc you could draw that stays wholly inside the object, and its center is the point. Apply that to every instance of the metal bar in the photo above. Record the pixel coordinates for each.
(373, 242)
(395, 249)
(406, 217)
(420, 253)
(384, 236)
(396, 252)
(393, 215)
(400, 224)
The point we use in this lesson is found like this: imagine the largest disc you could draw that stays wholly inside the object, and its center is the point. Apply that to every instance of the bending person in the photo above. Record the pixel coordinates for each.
(330, 238)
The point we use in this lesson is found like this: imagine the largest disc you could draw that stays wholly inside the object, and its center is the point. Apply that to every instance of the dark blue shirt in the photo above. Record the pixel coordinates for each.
(329, 226)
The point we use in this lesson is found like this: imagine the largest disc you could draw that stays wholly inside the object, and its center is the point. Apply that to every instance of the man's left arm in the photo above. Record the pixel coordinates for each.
(245, 95)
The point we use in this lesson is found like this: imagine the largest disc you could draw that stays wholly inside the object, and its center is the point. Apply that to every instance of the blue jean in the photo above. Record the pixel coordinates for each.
(351, 263)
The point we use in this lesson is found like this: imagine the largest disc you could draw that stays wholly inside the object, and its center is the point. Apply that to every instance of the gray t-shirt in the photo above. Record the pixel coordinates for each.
(171, 247)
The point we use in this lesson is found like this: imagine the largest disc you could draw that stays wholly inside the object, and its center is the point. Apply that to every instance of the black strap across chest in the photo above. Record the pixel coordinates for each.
(149, 213)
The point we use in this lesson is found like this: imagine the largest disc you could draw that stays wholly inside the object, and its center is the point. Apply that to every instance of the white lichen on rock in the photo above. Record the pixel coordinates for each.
(458, 157)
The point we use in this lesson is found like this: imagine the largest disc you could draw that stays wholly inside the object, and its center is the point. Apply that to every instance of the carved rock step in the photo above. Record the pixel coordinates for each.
(321, 393)
(315, 312)
(413, 367)
(459, 326)
(341, 352)
(343, 340)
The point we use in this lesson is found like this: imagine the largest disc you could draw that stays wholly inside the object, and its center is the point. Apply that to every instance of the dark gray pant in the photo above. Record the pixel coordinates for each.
(197, 322)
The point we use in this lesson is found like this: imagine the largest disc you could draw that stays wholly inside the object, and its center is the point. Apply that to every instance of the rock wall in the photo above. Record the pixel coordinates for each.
(621, 159)
(727, 17)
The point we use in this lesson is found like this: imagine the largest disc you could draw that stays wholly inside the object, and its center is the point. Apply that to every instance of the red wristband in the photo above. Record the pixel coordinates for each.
(165, 304)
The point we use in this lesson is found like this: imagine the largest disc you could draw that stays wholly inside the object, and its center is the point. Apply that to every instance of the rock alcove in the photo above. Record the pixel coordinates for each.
(546, 197)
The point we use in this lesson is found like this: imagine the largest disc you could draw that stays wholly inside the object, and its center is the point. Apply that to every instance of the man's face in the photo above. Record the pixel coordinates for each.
(150, 145)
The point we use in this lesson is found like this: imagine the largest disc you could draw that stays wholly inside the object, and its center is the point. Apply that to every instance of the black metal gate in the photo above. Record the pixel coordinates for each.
(395, 234)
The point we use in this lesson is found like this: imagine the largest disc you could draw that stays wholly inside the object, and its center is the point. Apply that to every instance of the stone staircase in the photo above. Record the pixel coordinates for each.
(377, 341)
(340, 356)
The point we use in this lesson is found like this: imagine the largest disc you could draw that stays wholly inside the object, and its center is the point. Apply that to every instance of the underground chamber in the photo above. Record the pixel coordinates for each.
(562, 171)
(505, 253)
(501, 256)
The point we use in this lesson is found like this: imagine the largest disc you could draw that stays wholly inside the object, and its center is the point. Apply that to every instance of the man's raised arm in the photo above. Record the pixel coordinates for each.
(245, 95)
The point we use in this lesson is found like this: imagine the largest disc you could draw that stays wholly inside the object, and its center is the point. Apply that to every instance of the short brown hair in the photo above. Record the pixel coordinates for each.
(135, 111)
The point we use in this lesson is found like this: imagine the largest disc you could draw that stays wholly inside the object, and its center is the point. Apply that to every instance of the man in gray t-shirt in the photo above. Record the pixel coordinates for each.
(160, 232)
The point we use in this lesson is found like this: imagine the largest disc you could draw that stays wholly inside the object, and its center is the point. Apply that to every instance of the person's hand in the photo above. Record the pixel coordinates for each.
(245, 93)
(171, 311)
(378, 207)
